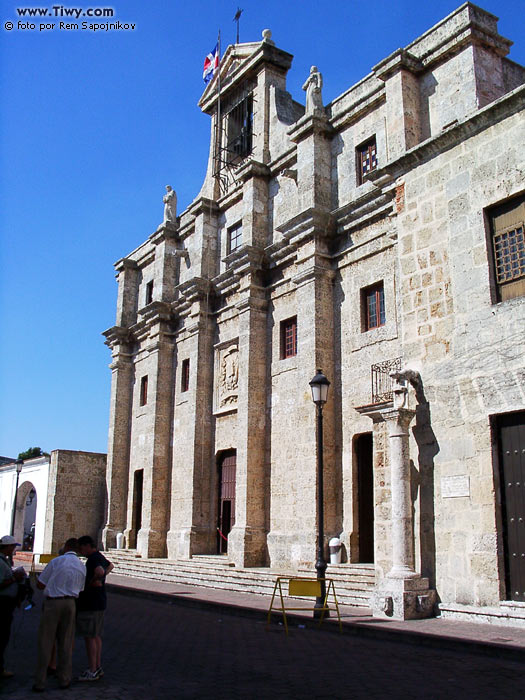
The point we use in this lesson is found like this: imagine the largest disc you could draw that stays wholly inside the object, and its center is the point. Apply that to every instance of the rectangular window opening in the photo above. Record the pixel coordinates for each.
(144, 390)
(149, 292)
(373, 305)
(289, 338)
(185, 376)
(507, 230)
(234, 237)
(366, 157)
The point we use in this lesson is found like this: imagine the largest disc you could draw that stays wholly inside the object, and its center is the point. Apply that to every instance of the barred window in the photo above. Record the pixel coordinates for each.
(366, 159)
(289, 338)
(507, 223)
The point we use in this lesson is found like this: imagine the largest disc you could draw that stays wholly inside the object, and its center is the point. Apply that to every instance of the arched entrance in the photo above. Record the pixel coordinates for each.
(25, 515)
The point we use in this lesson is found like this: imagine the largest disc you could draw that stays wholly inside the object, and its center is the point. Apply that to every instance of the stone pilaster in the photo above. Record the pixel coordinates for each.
(128, 285)
(402, 101)
(313, 134)
(192, 525)
(151, 538)
(122, 373)
(247, 539)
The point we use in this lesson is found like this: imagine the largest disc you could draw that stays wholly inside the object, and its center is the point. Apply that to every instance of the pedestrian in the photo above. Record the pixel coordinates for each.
(9, 581)
(62, 580)
(91, 606)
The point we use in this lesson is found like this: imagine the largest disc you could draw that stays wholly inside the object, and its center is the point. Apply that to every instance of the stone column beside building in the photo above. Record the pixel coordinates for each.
(403, 593)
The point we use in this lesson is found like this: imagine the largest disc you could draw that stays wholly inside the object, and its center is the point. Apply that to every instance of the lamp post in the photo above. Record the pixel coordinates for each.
(19, 464)
(319, 385)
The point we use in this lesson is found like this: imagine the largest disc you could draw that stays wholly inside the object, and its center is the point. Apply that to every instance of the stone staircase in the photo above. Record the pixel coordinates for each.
(354, 583)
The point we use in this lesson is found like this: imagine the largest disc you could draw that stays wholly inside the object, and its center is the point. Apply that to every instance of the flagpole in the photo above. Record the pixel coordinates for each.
(218, 123)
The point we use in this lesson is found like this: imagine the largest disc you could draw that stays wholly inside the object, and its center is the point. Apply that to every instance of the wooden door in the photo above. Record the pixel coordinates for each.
(227, 469)
(511, 438)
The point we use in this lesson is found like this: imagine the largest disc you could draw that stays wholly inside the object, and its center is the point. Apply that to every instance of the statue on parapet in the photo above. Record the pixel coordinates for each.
(170, 206)
(313, 87)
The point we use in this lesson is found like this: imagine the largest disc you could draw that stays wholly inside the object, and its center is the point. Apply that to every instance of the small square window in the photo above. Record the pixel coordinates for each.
(373, 304)
(144, 390)
(234, 237)
(366, 156)
(289, 338)
(185, 376)
(149, 292)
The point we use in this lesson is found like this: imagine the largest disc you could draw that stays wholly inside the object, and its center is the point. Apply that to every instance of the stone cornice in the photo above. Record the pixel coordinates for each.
(195, 289)
(252, 168)
(305, 224)
(117, 335)
(165, 232)
(125, 264)
(373, 205)
(245, 259)
(203, 205)
(311, 273)
(308, 125)
(399, 60)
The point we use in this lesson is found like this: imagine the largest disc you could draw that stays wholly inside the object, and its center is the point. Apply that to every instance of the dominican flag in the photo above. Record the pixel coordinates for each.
(211, 63)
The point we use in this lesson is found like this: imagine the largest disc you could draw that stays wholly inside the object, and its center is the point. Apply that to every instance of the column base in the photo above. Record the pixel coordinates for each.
(109, 536)
(403, 599)
(247, 546)
(151, 543)
(187, 541)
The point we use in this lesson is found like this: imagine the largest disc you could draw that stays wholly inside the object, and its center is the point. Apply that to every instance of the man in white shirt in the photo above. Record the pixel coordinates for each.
(62, 580)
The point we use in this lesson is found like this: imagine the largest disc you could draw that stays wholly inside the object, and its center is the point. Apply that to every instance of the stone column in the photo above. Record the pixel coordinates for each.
(403, 593)
(398, 421)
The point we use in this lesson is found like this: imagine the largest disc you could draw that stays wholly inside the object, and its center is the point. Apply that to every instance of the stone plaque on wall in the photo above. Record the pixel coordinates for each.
(226, 377)
(455, 486)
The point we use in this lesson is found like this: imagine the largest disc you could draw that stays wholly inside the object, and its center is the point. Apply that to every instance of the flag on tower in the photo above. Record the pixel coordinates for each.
(211, 63)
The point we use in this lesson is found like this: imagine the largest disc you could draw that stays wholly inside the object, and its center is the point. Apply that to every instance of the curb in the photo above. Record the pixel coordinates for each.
(356, 628)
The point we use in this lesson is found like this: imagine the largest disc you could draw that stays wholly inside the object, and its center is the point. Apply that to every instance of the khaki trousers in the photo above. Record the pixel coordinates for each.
(56, 623)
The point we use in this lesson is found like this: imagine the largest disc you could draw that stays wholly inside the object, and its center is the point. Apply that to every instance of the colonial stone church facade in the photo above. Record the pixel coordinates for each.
(380, 238)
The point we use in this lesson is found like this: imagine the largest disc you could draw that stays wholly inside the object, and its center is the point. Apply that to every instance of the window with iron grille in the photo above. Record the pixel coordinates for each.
(144, 390)
(373, 302)
(366, 159)
(185, 376)
(289, 338)
(149, 292)
(507, 222)
(234, 237)
(239, 126)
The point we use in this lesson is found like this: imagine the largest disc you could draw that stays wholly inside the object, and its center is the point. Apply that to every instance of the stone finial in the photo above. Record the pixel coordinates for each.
(313, 87)
(170, 206)
(267, 37)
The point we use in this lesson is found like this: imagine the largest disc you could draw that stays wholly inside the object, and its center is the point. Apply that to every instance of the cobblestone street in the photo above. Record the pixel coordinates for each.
(156, 650)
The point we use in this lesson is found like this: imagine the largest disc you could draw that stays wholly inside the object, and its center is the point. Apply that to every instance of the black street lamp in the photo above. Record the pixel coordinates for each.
(19, 464)
(320, 386)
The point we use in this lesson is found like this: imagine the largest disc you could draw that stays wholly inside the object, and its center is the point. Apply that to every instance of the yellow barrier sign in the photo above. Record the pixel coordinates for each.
(299, 587)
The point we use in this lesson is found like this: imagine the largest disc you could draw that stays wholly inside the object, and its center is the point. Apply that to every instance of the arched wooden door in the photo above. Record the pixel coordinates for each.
(227, 468)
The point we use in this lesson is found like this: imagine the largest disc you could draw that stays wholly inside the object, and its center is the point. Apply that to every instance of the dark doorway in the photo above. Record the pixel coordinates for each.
(365, 496)
(138, 487)
(227, 467)
(511, 445)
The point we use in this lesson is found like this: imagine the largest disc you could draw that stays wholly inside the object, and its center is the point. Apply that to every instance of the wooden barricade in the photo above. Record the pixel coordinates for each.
(303, 587)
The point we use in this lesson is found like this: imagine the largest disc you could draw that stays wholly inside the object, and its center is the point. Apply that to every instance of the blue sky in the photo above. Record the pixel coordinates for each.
(93, 126)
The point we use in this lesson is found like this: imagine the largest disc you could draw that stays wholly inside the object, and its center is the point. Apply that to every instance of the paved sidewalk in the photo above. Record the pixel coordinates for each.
(494, 640)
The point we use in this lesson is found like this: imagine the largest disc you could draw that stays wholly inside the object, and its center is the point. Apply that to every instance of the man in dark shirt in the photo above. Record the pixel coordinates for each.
(91, 606)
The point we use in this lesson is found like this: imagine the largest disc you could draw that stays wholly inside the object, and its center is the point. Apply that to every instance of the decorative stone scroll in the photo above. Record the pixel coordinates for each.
(227, 377)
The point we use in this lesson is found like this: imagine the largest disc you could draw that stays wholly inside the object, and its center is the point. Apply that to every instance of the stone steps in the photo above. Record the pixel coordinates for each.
(353, 582)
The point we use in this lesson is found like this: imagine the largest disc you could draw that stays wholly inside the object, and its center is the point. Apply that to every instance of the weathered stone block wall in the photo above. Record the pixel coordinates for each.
(450, 326)
(76, 500)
